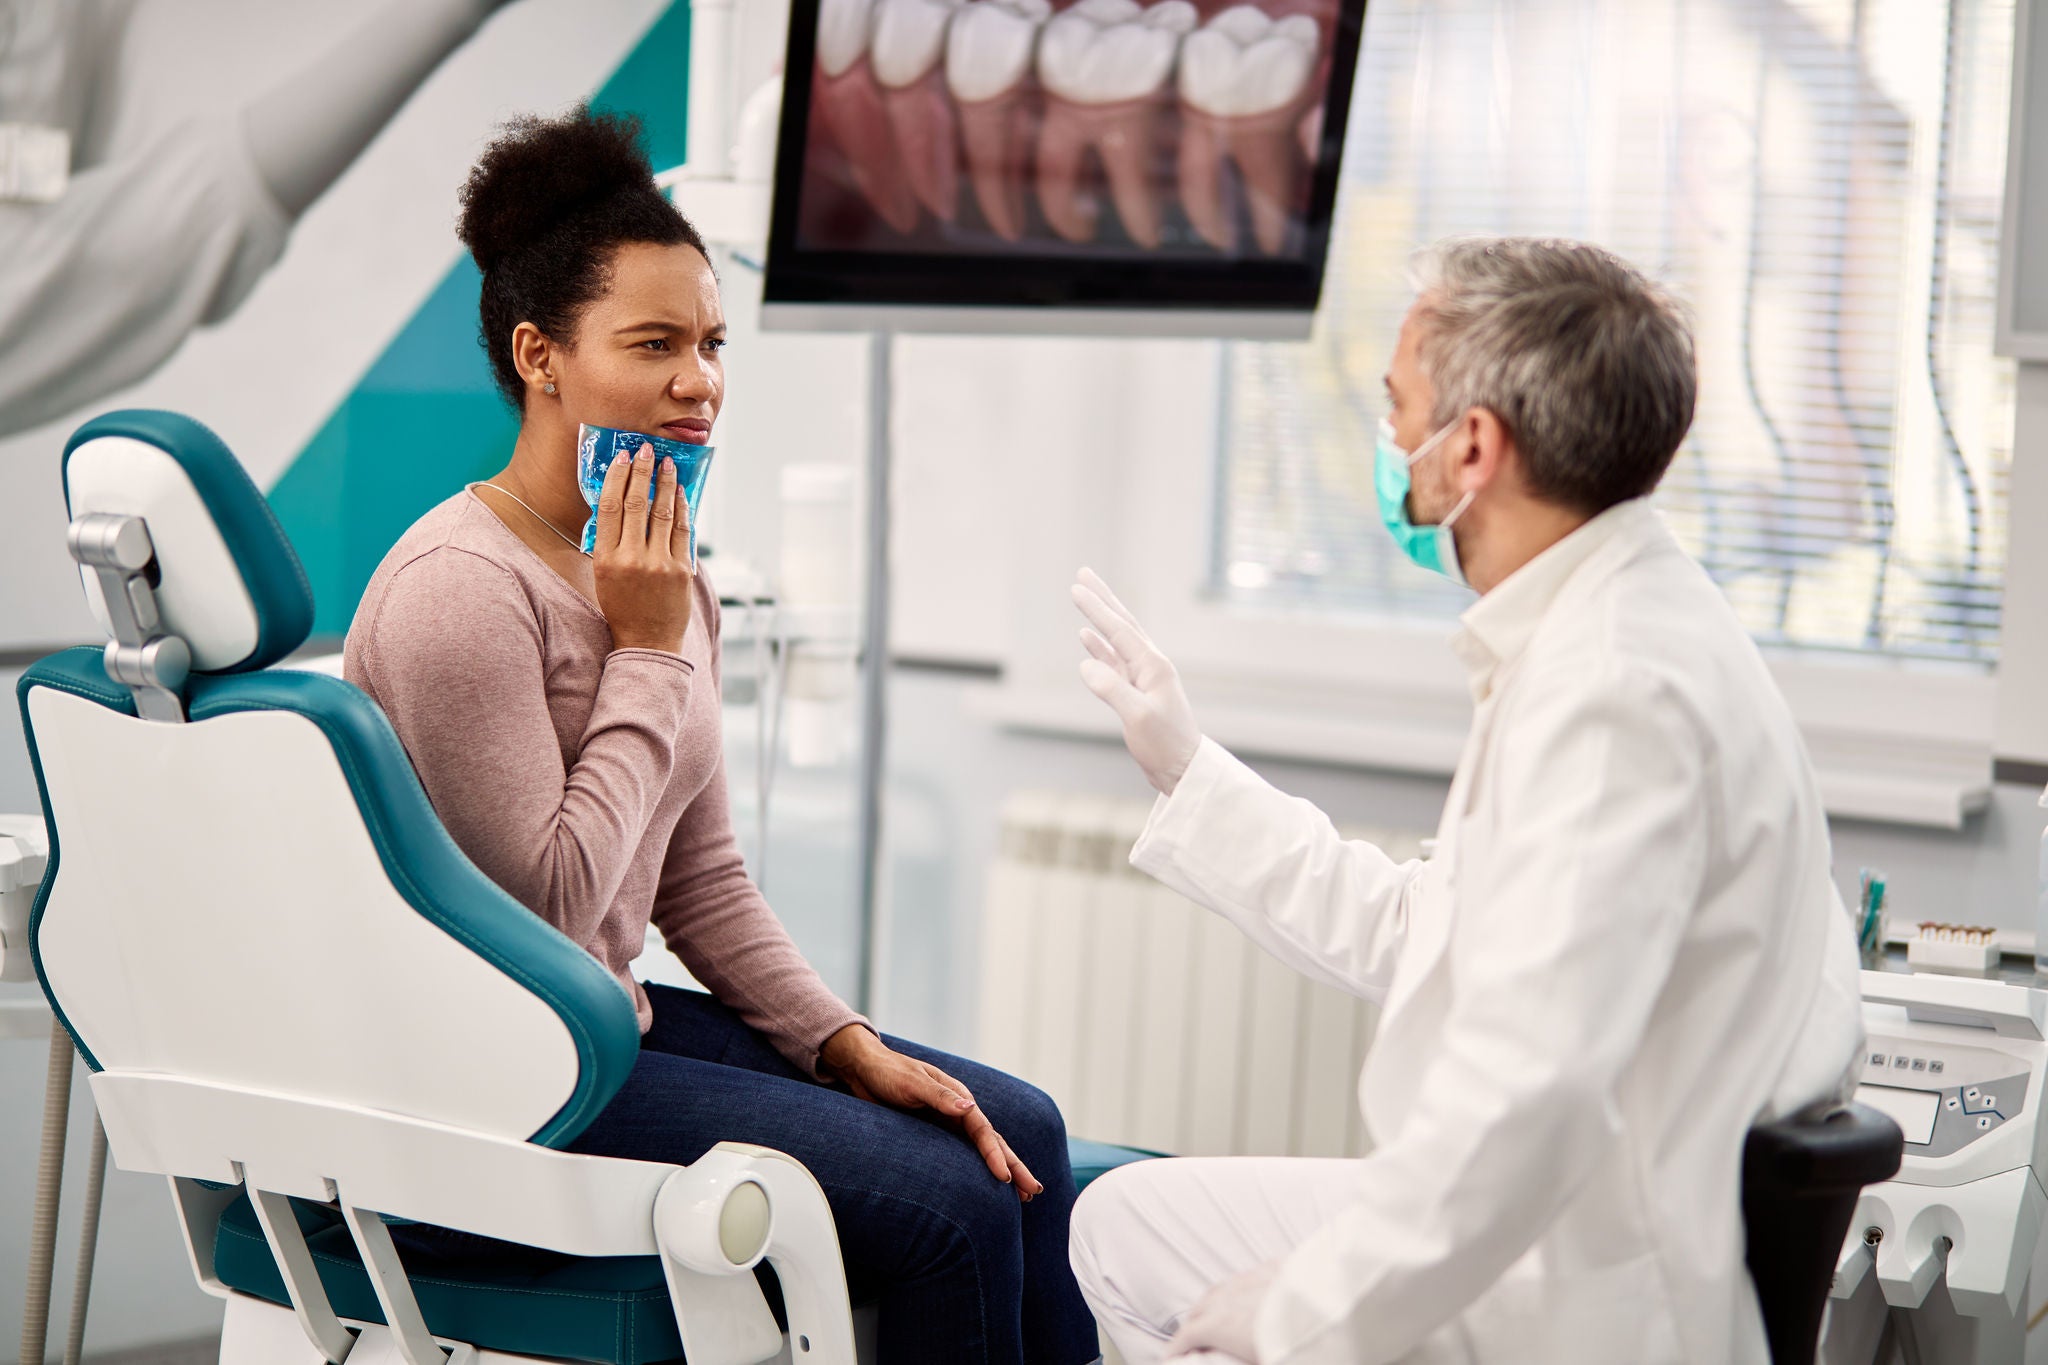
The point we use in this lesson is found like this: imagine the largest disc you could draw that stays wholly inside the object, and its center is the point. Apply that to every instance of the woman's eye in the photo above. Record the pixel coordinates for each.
(714, 343)
(657, 343)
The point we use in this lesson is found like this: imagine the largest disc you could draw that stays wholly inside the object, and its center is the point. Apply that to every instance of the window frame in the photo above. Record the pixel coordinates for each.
(1906, 741)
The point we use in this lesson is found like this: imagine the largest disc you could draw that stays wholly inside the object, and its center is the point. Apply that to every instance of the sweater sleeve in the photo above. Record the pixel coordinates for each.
(715, 919)
(453, 653)
(185, 224)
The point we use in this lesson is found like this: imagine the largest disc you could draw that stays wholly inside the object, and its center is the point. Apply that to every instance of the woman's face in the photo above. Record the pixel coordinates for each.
(646, 352)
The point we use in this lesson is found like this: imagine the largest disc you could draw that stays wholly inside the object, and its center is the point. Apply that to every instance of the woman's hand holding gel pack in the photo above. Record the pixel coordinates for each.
(597, 447)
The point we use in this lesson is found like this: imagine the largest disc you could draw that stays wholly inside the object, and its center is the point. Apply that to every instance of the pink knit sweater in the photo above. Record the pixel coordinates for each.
(587, 781)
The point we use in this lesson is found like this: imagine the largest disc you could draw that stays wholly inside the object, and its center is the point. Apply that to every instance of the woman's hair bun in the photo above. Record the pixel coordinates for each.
(538, 174)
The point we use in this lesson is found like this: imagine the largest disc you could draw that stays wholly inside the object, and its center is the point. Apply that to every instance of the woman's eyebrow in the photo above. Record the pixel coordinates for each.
(664, 325)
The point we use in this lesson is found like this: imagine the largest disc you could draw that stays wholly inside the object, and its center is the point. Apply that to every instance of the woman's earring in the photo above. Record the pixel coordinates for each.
(548, 387)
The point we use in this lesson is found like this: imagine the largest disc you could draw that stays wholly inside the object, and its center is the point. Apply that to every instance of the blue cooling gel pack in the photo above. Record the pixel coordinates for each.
(597, 447)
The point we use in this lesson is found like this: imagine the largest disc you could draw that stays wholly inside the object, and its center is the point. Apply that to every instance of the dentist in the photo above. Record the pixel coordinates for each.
(1625, 951)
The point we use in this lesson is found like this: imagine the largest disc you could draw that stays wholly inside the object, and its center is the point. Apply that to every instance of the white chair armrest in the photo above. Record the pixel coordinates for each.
(710, 1238)
(405, 1167)
(497, 1187)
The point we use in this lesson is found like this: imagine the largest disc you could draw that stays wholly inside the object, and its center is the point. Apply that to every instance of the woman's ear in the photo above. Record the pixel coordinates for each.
(533, 355)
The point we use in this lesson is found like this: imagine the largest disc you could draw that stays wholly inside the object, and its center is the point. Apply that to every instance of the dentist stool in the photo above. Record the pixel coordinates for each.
(1800, 1179)
(302, 1004)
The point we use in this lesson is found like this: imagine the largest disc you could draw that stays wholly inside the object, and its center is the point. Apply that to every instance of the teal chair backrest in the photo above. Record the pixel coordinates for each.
(262, 895)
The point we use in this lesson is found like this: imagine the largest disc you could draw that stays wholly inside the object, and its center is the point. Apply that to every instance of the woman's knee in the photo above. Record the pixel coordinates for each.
(959, 1213)
(1028, 1118)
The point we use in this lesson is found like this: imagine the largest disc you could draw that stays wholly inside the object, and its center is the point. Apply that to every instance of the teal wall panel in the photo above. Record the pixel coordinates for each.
(426, 419)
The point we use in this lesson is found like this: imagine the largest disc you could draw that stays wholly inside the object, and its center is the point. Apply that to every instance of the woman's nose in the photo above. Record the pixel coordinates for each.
(693, 383)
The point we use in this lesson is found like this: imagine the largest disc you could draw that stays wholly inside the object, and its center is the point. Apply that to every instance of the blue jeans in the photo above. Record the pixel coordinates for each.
(959, 1269)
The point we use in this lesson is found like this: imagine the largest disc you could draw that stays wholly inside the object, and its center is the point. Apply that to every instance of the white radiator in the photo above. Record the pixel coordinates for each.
(1155, 1023)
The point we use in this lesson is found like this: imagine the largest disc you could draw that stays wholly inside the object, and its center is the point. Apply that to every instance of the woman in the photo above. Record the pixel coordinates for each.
(563, 713)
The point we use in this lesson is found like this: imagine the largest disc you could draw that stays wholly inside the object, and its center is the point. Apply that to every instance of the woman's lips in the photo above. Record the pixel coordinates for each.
(691, 433)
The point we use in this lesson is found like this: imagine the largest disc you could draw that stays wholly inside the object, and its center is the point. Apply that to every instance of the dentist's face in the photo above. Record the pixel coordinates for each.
(646, 354)
(1411, 409)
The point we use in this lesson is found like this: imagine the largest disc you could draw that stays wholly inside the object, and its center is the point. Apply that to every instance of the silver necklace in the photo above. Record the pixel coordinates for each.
(577, 545)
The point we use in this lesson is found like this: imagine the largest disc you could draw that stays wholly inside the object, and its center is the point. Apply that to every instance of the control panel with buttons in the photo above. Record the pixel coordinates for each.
(1944, 1097)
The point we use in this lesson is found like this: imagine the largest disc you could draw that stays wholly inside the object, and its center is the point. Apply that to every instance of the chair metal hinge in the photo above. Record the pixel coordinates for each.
(149, 662)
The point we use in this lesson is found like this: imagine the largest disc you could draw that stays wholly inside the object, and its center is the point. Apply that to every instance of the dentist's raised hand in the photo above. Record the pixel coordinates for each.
(1127, 671)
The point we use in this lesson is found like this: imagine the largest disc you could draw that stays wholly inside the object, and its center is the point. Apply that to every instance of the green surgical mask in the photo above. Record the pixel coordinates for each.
(1432, 547)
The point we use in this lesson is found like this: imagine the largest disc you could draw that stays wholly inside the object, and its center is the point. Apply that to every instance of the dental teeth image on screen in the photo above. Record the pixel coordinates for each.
(988, 70)
(907, 52)
(971, 125)
(1105, 65)
(847, 111)
(1245, 89)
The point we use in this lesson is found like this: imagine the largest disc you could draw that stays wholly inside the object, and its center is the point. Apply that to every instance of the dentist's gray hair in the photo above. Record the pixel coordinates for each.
(1587, 363)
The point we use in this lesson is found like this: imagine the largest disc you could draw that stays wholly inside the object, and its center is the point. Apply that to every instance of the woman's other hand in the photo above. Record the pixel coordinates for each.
(877, 1073)
(641, 562)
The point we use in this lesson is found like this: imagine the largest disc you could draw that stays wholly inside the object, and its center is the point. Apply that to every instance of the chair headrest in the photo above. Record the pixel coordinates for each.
(230, 585)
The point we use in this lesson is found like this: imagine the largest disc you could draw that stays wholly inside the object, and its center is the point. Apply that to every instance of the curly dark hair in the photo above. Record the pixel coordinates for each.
(544, 209)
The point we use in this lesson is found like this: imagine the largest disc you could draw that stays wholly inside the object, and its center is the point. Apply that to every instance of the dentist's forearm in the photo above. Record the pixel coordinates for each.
(304, 132)
(1332, 908)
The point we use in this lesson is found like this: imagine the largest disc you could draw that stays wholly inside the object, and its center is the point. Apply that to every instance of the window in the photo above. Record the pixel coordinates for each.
(1820, 180)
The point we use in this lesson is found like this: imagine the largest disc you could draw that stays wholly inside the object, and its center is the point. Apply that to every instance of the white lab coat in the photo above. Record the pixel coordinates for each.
(1626, 949)
(148, 242)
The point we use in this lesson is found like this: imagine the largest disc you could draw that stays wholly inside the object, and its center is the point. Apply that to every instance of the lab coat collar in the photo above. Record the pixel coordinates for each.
(1498, 627)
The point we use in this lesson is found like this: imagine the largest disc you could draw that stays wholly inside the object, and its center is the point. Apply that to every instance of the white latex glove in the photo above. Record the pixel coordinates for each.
(1139, 683)
(1223, 1318)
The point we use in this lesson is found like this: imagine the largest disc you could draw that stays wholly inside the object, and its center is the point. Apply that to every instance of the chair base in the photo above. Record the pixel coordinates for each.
(255, 1332)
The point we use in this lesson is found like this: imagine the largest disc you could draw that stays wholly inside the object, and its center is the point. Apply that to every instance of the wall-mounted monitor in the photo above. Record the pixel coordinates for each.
(1094, 166)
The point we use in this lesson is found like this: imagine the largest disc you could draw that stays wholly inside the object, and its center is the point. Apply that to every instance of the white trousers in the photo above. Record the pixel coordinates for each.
(1151, 1238)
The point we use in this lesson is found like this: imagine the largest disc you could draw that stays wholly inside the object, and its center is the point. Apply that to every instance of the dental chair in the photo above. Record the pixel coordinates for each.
(301, 1003)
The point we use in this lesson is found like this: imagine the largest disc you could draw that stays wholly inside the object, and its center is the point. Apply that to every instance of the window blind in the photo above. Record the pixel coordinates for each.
(1819, 180)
